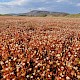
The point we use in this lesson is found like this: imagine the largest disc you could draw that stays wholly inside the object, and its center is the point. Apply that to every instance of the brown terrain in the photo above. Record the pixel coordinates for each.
(39, 48)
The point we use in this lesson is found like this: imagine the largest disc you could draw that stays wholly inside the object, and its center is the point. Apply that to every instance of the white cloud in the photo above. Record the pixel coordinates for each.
(41, 8)
(14, 2)
(61, 0)
(13, 6)
(78, 4)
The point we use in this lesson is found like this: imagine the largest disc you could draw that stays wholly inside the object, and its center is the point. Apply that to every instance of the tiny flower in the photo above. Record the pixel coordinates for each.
(27, 76)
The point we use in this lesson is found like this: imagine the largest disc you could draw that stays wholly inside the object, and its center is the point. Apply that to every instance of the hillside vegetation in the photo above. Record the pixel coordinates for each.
(73, 15)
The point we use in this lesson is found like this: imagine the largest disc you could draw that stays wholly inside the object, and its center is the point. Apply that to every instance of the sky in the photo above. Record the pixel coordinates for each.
(23, 6)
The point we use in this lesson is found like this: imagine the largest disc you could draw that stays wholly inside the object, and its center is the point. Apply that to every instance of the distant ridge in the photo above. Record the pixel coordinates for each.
(43, 13)
(36, 13)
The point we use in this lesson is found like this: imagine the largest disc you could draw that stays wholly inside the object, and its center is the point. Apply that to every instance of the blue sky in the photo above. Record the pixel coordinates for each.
(22, 6)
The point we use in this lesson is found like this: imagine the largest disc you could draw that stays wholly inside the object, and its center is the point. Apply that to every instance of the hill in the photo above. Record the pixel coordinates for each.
(43, 13)
(39, 13)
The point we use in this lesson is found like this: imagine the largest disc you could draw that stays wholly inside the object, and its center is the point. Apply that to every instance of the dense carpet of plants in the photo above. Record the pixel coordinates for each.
(39, 48)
